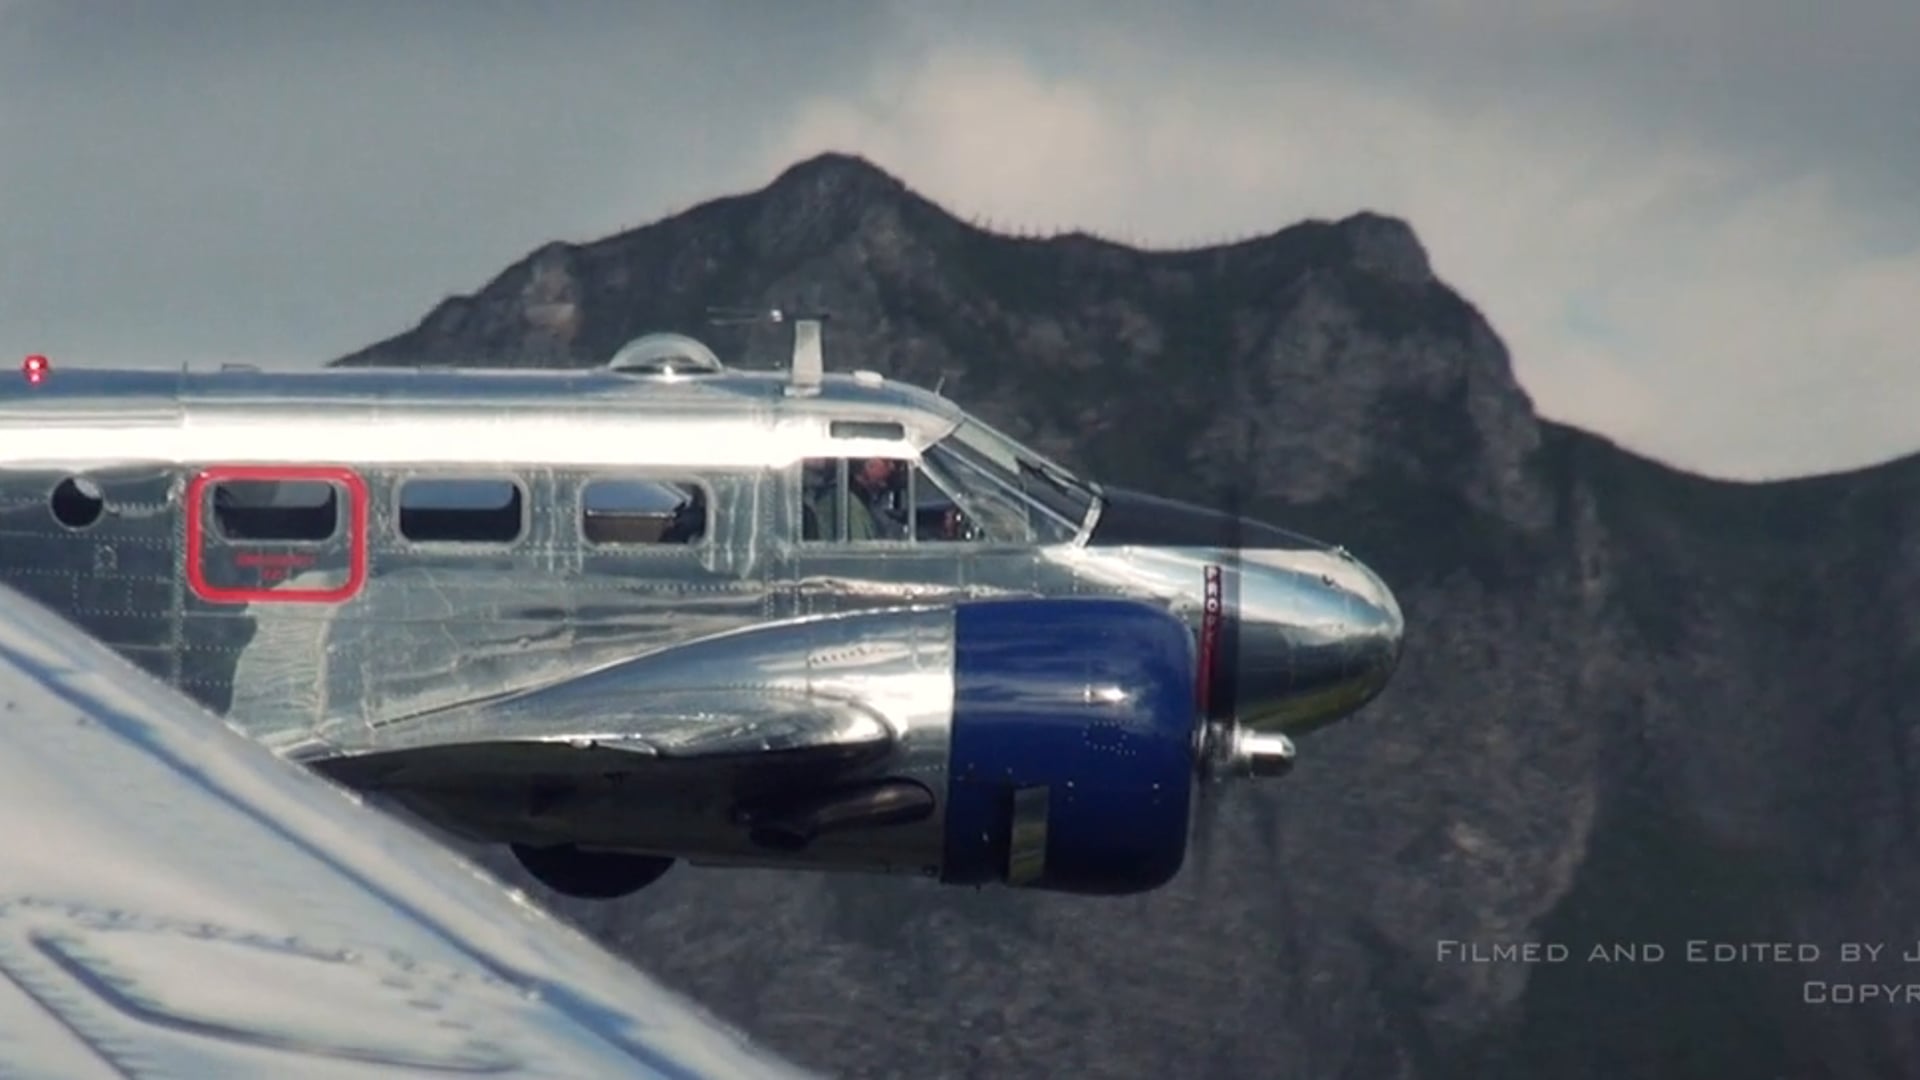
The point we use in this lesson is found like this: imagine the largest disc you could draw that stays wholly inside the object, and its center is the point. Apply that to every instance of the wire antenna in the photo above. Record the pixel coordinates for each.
(742, 316)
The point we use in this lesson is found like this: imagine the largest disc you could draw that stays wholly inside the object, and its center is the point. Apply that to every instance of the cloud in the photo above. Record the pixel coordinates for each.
(1668, 291)
(1692, 219)
(284, 183)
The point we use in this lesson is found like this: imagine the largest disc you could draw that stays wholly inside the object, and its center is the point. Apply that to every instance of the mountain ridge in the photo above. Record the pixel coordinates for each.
(1635, 701)
(1379, 240)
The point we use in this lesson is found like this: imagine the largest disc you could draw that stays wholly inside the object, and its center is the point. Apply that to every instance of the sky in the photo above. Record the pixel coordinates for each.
(1694, 222)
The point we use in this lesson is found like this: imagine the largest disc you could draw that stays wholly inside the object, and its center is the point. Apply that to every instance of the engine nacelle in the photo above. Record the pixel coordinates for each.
(1073, 745)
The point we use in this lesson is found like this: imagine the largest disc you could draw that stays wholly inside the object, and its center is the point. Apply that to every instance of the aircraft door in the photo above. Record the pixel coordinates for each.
(276, 535)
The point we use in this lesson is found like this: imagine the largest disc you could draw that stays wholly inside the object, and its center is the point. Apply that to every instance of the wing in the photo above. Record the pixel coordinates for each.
(175, 900)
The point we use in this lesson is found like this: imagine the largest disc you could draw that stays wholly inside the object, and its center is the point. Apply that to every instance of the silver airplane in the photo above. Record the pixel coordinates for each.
(177, 902)
(667, 610)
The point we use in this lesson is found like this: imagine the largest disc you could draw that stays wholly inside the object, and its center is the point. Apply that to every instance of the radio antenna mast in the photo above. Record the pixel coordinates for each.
(808, 363)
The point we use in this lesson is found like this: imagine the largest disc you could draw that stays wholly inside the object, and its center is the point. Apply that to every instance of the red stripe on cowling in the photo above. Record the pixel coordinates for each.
(1210, 614)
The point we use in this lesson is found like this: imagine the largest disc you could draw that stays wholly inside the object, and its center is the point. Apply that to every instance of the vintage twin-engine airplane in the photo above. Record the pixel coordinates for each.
(177, 902)
(665, 609)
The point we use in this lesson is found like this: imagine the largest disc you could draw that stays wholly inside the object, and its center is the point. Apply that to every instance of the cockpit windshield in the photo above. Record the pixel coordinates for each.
(1043, 479)
(1001, 477)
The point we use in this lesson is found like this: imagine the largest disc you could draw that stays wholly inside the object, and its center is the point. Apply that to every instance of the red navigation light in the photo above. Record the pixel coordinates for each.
(35, 368)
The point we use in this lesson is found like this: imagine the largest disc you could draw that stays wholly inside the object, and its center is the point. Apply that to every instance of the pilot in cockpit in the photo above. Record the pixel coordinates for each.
(870, 513)
(870, 486)
(880, 484)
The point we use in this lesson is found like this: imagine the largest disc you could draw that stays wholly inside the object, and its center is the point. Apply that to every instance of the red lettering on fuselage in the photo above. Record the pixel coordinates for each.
(1210, 615)
(275, 560)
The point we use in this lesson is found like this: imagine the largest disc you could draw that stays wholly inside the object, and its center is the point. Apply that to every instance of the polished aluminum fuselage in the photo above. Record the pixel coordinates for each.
(429, 626)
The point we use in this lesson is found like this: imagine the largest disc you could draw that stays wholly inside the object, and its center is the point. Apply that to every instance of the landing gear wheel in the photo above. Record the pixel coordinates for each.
(591, 875)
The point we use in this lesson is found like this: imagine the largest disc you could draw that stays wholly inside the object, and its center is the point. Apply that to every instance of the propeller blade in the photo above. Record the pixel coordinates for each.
(1225, 677)
(1203, 824)
(1219, 682)
(1217, 642)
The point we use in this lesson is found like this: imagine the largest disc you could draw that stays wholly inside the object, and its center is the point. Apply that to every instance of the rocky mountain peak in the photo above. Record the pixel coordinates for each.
(1242, 346)
(1386, 246)
(835, 177)
(1635, 706)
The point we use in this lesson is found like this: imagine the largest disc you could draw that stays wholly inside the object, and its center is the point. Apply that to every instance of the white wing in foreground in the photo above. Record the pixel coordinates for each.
(175, 901)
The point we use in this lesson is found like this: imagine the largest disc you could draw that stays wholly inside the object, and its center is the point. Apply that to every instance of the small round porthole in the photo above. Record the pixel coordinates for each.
(77, 502)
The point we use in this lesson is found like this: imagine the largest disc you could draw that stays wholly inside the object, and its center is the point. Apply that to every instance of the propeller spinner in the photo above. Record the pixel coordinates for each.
(1289, 639)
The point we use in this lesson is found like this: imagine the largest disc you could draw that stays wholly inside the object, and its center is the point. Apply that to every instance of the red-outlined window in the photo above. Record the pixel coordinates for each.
(252, 530)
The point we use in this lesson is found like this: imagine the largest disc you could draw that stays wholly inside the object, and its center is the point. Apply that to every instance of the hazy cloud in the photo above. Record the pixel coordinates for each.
(1720, 293)
(287, 182)
(1693, 223)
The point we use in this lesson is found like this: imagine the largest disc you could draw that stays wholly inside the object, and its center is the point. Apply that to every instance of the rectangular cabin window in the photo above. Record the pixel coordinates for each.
(464, 510)
(633, 511)
(279, 510)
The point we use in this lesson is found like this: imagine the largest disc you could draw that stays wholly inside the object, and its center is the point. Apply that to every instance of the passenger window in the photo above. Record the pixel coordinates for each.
(461, 510)
(280, 510)
(858, 499)
(76, 502)
(628, 511)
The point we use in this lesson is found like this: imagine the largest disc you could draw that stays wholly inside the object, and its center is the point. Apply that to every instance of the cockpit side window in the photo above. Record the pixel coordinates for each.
(1043, 483)
(972, 506)
(994, 496)
(853, 500)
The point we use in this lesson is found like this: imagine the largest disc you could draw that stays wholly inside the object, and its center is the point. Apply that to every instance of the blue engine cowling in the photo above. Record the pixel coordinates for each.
(1083, 707)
